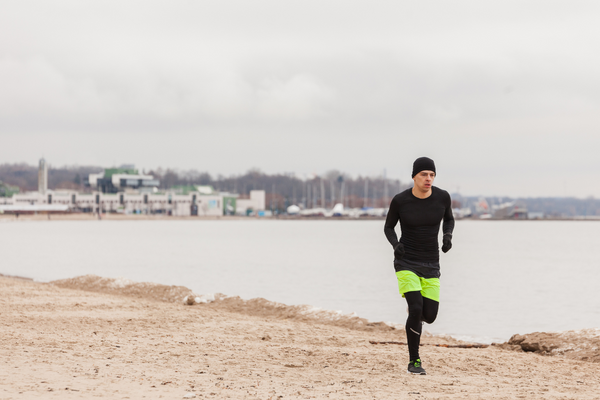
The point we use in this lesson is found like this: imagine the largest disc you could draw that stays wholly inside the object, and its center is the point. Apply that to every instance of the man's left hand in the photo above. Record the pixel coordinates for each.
(446, 243)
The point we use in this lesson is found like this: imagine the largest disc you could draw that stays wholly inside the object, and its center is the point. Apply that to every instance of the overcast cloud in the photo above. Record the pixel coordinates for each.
(503, 95)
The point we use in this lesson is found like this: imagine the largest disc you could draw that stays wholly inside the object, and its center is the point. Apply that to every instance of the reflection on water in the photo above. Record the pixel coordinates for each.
(500, 278)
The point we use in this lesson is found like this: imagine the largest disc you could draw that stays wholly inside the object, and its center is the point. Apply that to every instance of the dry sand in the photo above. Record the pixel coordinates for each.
(117, 339)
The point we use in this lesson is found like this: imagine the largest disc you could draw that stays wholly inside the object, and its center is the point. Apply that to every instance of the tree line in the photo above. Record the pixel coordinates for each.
(285, 189)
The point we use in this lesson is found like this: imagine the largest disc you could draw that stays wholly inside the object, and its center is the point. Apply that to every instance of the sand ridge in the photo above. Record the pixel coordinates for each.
(58, 342)
(256, 307)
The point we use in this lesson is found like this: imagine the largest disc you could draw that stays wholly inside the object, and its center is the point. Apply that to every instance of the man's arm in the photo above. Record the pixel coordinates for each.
(448, 225)
(390, 222)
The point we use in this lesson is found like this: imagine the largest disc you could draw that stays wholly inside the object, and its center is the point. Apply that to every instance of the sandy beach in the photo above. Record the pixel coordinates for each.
(92, 337)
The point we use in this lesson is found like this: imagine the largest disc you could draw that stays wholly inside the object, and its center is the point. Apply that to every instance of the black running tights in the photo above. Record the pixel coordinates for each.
(419, 309)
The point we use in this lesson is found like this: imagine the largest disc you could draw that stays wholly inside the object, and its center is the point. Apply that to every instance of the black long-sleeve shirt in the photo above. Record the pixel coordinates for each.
(420, 224)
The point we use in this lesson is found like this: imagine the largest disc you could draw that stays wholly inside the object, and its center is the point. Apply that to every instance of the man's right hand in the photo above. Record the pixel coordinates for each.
(399, 251)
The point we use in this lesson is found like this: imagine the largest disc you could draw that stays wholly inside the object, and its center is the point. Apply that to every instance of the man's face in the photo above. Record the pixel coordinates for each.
(424, 180)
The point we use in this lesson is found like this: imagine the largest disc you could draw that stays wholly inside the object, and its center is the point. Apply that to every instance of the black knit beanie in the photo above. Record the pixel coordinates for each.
(423, 164)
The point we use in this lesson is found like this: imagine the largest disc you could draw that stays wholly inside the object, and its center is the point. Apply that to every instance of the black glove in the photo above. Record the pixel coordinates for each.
(446, 242)
(399, 251)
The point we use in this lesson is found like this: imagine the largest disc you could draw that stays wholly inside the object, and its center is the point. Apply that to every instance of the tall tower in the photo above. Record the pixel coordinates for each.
(43, 177)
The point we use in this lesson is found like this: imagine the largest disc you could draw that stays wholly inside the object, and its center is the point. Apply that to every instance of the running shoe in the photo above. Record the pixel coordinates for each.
(414, 367)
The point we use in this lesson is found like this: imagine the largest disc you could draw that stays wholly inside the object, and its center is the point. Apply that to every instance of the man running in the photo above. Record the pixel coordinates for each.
(416, 256)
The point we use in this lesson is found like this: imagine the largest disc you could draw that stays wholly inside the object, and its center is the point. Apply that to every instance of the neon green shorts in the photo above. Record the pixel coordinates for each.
(408, 281)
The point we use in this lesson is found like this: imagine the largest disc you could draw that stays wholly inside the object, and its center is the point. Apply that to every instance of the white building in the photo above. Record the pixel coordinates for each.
(255, 203)
(43, 177)
(134, 202)
(131, 193)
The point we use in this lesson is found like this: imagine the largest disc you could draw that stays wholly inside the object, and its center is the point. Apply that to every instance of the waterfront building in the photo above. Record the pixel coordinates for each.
(124, 190)
(42, 177)
(168, 202)
(255, 203)
(114, 180)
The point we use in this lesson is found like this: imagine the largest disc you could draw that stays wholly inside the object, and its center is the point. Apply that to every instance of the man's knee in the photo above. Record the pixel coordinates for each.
(415, 310)
(430, 310)
(429, 318)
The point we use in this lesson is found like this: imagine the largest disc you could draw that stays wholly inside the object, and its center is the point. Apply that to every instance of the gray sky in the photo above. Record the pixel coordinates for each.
(503, 95)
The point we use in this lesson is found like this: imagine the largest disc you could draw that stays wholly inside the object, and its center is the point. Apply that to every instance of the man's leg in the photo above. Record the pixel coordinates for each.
(409, 285)
(419, 309)
(413, 323)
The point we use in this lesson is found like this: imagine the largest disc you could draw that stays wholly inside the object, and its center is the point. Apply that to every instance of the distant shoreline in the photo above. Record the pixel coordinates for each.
(145, 217)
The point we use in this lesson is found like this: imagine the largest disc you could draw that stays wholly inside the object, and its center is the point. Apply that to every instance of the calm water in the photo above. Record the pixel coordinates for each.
(499, 279)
